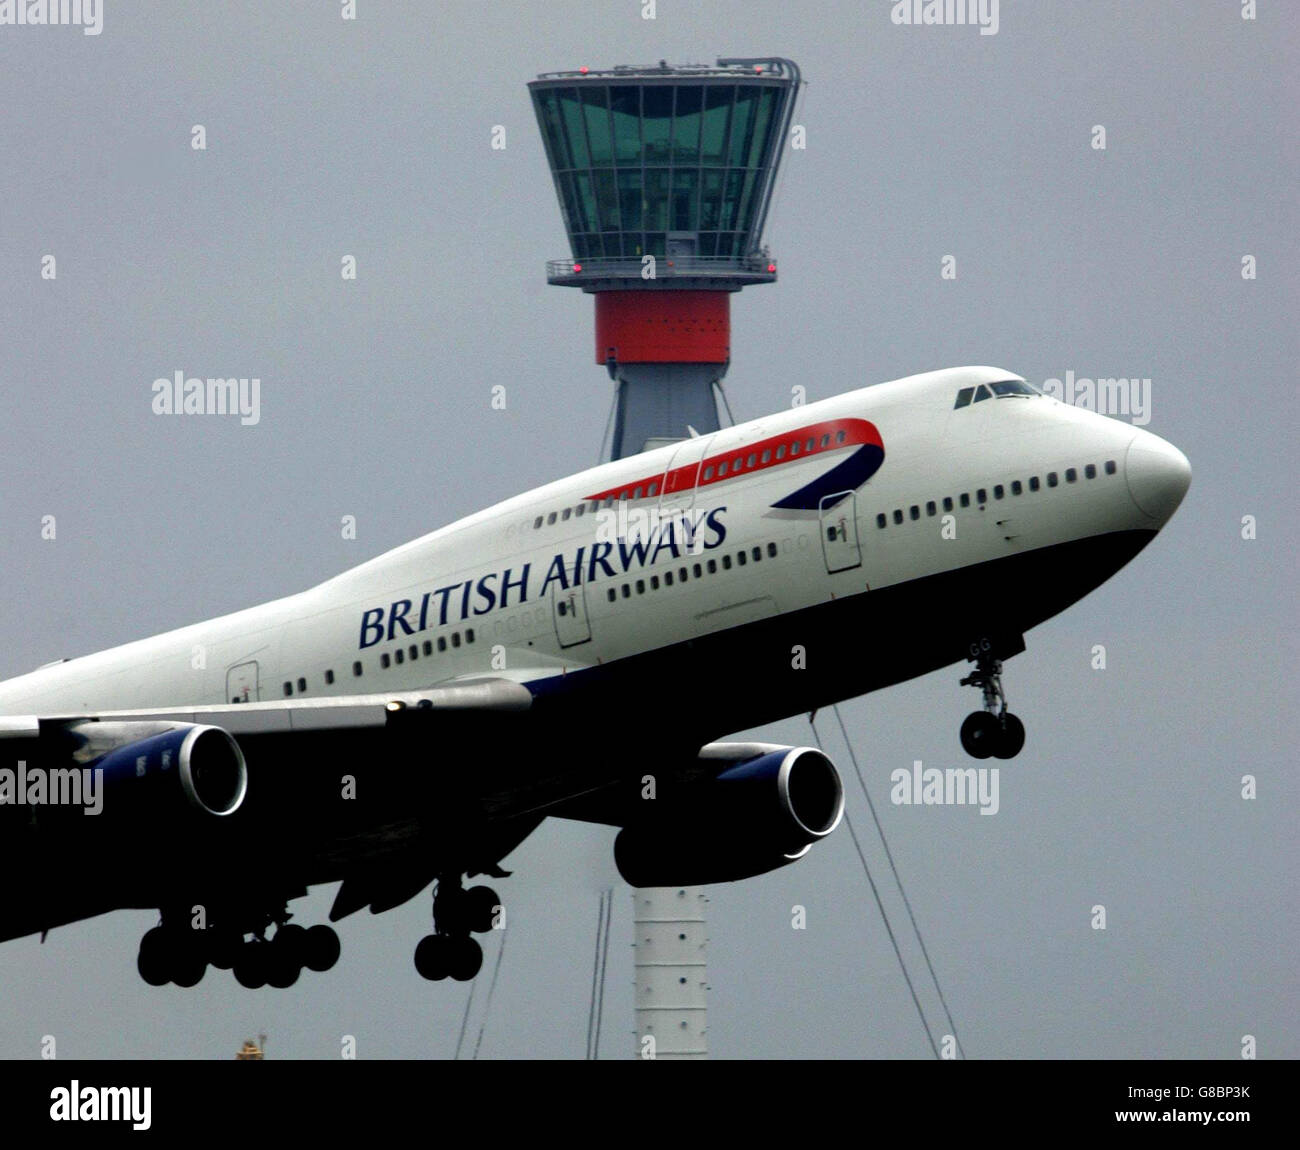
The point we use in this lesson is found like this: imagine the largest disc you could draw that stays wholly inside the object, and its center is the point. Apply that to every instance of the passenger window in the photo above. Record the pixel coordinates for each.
(1090, 472)
(550, 518)
(580, 510)
(726, 562)
(881, 520)
(414, 651)
(302, 684)
(288, 689)
(722, 469)
(947, 502)
(898, 516)
(826, 439)
(794, 447)
(627, 590)
(982, 495)
(740, 558)
(963, 397)
(750, 461)
(329, 677)
(839, 437)
(384, 661)
(612, 594)
(564, 516)
(469, 634)
(708, 473)
(654, 489)
(668, 578)
(654, 582)
(998, 491)
(965, 499)
(640, 586)
(428, 647)
(1052, 479)
(537, 523)
(771, 550)
(442, 642)
(757, 554)
(767, 455)
(809, 445)
(455, 638)
(699, 571)
(1110, 467)
(1071, 475)
(1016, 487)
(713, 566)
(1033, 483)
(915, 512)
(637, 493)
(356, 669)
(930, 508)
(737, 463)
(780, 451)
(399, 655)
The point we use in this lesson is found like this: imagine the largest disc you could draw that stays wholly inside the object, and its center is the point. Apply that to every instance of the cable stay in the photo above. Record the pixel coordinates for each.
(853, 758)
(848, 822)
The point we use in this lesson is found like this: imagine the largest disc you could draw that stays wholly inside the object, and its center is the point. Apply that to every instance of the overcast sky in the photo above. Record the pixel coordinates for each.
(372, 138)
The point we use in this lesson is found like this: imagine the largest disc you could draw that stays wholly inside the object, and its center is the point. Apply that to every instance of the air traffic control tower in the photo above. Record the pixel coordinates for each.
(664, 176)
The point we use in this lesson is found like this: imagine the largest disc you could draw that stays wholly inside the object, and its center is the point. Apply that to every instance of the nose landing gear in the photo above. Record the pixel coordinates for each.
(993, 731)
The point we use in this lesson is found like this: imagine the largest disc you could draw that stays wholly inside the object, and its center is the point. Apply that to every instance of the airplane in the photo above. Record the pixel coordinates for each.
(575, 651)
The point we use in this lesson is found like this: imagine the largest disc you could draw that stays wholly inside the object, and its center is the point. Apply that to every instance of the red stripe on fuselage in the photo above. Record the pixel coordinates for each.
(710, 471)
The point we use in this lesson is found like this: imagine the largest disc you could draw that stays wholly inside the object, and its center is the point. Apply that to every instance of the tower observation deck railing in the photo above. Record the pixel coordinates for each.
(740, 271)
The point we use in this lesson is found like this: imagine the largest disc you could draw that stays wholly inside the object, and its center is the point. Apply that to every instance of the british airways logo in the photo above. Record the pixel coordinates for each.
(497, 590)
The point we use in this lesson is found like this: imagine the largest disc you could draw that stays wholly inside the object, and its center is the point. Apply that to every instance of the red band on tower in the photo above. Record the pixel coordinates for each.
(663, 326)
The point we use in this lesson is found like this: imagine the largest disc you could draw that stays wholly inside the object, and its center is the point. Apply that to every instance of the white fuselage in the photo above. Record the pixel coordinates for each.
(407, 619)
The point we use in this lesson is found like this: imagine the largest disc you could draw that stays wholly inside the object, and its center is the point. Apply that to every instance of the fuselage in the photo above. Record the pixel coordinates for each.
(831, 514)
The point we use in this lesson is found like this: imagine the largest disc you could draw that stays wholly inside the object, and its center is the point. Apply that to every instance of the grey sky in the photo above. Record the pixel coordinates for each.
(372, 138)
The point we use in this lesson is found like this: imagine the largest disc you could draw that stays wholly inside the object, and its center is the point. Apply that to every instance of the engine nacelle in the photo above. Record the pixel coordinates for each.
(162, 768)
(765, 812)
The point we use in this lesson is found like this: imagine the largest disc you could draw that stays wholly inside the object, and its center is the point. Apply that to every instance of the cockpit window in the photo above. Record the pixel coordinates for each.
(1013, 387)
(1001, 389)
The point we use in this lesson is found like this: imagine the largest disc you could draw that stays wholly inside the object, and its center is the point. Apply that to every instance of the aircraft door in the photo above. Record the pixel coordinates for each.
(839, 529)
(569, 609)
(241, 683)
(677, 491)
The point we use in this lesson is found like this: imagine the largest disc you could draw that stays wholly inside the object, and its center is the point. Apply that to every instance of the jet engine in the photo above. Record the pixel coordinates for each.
(762, 813)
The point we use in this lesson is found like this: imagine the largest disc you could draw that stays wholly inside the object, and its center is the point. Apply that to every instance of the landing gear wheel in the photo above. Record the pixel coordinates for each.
(464, 959)
(431, 957)
(285, 960)
(224, 948)
(188, 964)
(980, 734)
(153, 960)
(320, 949)
(251, 966)
(480, 908)
(1010, 737)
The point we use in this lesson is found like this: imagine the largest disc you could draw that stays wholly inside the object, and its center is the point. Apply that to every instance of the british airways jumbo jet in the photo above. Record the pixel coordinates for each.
(573, 651)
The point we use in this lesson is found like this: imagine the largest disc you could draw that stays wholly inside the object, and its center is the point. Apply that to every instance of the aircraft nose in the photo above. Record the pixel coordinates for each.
(1158, 475)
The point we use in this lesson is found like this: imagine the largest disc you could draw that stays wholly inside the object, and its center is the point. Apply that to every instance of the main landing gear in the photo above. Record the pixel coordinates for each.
(175, 952)
(995, 730)
(457, 913)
